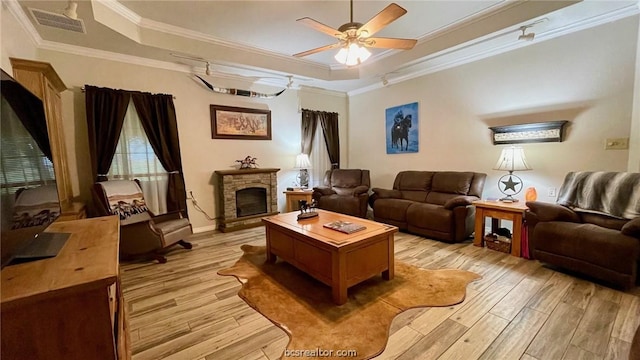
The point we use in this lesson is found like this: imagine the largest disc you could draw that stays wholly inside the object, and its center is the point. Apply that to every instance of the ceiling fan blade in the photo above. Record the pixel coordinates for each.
(317, 50)
(382, 19)
(320, 27)
(390, 43)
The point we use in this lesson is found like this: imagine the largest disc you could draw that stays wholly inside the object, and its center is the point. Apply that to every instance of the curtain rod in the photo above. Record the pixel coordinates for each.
(173, 96)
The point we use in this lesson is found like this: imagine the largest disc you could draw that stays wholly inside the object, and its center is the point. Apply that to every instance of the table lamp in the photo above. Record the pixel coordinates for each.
(303, 163)
(511, 159)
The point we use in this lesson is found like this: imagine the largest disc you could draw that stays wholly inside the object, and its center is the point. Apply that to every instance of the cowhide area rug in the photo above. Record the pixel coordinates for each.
(303, 307)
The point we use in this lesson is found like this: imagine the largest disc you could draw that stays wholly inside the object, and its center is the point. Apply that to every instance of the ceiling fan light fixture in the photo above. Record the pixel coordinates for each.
(352, 54)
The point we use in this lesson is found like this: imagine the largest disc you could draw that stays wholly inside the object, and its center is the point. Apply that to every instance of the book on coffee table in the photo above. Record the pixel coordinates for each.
(344, 226)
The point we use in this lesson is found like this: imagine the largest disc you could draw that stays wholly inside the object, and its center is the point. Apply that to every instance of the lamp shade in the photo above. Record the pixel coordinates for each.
(512, 159)
(302, 161)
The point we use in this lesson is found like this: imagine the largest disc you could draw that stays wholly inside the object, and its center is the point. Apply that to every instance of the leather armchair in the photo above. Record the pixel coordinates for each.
(345, 191)
(142, 234)
(592, 229)
(596, 245)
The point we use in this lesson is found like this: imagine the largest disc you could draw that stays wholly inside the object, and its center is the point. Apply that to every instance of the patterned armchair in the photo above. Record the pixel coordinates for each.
(36, 206)
(141, 233)
(345, 191)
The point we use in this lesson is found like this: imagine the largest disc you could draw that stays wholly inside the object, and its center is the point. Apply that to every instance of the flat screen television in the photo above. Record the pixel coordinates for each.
(28, 193)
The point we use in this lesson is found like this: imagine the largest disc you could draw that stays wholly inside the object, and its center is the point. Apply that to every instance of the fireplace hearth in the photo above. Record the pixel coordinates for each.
(244, 197)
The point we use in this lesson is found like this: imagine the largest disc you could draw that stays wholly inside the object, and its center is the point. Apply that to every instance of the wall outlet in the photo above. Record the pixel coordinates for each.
(552, 192)
(616, 144)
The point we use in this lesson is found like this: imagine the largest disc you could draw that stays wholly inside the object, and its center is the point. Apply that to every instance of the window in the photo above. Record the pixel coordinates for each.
(23, 163)
(135, 159)
(319, 158)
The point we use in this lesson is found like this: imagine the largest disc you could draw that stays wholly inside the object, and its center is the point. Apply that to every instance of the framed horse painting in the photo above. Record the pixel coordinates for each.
(401, 123)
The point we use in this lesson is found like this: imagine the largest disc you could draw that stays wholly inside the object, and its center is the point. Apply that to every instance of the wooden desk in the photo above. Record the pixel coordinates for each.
(501, 211)
(69, 306)
(294, 196)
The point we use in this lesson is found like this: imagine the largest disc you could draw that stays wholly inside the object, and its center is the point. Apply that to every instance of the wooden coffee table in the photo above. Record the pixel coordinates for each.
(336, 259)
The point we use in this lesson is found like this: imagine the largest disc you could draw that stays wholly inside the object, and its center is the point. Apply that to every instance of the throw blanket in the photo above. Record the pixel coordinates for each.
(612, 193)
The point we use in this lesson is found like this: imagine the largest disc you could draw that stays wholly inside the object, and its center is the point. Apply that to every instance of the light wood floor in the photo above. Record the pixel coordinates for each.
(518, 310)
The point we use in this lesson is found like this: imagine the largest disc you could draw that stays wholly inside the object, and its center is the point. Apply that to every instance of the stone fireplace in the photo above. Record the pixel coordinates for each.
(244, 197)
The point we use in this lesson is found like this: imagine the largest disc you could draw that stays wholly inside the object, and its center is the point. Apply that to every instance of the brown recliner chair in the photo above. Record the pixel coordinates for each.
(593, 228)
(345, 191)
(142, 234)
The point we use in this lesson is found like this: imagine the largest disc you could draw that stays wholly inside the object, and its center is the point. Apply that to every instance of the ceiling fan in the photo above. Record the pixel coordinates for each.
(354, 37)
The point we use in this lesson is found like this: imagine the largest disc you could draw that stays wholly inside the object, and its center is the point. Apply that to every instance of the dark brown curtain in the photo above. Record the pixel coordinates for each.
(329, 123)
(105, 115)
(309, 125)
(158, 117)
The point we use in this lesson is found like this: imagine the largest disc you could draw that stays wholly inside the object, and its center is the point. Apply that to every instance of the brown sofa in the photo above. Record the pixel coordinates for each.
(586, 230)
(435, 204)
(345, 191)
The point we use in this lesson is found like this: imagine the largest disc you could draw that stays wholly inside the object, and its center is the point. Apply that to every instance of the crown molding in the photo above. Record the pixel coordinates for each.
(414, 70)
(319, 91)
(16, 10)
(112, 56)
(153, 25)
(615, 15)
(157, 64)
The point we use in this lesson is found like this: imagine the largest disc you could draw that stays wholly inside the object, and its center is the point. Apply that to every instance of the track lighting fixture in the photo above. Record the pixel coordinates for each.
(385, 82)
(71, 10)
(526, 37)
(207, 68)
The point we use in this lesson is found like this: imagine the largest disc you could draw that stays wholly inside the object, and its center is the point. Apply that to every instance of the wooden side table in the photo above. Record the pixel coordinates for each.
(499, 211)
(294, 196)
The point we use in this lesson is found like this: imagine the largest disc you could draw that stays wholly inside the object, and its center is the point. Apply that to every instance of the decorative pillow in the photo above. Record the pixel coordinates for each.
(125, 198)
(36, 206)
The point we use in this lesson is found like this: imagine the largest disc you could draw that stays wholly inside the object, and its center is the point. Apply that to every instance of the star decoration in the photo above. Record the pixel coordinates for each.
(510, 184)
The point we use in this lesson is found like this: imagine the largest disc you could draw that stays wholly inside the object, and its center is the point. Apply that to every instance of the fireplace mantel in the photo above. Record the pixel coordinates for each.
(229, 182)
(246, 171)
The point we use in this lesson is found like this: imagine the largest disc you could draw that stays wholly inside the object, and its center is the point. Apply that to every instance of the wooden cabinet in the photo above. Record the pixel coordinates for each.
(69, 306)
(42, 80)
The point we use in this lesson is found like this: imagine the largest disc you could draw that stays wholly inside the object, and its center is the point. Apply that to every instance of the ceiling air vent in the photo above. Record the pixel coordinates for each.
(59, 21)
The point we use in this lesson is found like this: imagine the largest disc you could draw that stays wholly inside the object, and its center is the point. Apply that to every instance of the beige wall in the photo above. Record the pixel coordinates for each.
(583, 77)
(201, 155)
(15, 41)
(634, 141)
